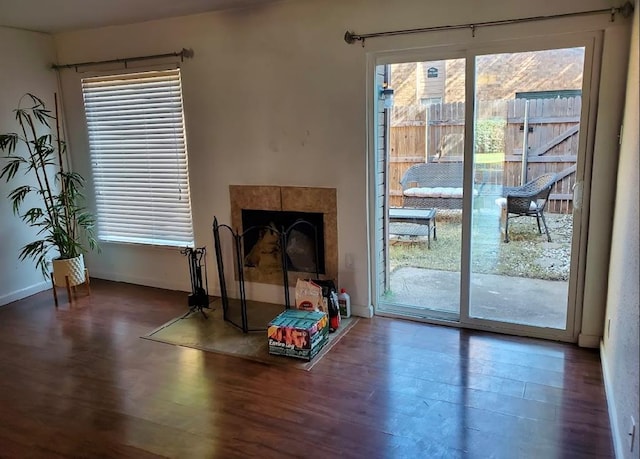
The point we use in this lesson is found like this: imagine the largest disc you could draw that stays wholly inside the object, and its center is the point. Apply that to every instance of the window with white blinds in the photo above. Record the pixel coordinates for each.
(139, 158)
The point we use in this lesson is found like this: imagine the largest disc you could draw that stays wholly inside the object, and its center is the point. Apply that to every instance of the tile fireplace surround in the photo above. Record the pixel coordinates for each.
(291, 199)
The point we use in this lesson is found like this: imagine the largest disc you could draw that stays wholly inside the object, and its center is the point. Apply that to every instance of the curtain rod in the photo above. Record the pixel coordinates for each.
(183, 54)
(626, 10)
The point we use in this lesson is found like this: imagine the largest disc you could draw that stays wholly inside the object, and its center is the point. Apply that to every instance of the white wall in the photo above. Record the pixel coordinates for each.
(603, 176)
(274, 96)
(26, 60)
(621, 343)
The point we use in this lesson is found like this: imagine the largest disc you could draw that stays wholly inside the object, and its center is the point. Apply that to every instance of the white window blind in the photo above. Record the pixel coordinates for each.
(139, 158)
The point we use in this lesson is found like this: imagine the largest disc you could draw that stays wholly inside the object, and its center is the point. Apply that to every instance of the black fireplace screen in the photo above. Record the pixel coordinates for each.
(262, 229)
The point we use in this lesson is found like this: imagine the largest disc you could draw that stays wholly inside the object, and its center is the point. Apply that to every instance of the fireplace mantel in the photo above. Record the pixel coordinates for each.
(292, 199)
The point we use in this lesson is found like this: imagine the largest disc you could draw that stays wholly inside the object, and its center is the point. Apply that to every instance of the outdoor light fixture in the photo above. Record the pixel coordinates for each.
(386, 96)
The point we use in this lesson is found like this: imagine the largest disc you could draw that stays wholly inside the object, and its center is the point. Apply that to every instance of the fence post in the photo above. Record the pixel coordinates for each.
(525, 144)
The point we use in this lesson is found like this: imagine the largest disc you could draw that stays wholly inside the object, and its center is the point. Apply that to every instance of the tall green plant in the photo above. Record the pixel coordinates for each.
(63, 223)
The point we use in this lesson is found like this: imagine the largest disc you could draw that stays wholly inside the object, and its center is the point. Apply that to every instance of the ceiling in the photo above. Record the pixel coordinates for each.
(52, 16)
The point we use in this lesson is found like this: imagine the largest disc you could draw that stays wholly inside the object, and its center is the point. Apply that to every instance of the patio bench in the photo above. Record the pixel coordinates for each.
(433, 185)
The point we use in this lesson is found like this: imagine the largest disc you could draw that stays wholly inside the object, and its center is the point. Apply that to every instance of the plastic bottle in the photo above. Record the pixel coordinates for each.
(344, 303)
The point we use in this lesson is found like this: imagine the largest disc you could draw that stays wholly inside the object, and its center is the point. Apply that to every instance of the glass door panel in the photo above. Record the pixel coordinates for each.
(425, 159)
(526, 123)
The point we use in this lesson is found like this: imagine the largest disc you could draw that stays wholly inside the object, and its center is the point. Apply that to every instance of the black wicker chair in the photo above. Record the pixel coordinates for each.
(529, 200)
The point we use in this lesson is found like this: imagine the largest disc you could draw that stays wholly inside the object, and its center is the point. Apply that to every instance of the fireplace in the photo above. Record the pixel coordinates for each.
(303, 239)
(264, 207)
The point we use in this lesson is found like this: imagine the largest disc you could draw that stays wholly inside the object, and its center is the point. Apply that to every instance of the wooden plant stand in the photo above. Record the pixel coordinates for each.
(69, 287)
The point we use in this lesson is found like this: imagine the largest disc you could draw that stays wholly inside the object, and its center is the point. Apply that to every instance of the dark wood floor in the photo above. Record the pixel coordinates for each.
(80, 382)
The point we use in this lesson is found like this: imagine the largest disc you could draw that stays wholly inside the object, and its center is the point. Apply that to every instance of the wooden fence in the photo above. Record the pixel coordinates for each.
(436, 133)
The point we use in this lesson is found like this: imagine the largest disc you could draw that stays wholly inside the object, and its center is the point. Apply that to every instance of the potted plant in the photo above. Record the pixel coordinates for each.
(51, 200)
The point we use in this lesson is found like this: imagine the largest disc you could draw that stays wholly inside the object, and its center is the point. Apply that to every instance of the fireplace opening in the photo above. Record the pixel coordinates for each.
(262, 245)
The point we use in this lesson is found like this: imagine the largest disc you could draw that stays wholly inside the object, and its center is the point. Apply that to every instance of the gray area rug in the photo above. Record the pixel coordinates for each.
(214, 334)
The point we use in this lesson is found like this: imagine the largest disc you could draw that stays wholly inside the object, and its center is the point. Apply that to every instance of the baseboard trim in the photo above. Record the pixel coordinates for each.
(590, 341)
(362, 311)
(24, 292)
(138, 280)
(618, 447)
(356, 310)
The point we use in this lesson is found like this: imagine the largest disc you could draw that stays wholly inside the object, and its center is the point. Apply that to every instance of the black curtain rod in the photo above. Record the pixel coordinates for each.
(183, 54)
(626, 10)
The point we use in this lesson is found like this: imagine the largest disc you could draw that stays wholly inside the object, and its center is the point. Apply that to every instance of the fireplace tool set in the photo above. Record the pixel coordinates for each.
(199, 298)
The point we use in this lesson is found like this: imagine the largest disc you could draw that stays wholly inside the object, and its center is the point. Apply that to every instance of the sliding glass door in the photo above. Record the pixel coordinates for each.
(478, 160)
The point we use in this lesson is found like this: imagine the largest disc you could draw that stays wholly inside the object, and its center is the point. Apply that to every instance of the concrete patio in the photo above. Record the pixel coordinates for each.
(536, 302)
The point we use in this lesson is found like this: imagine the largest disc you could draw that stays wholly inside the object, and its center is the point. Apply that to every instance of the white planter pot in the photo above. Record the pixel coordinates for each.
(71, 267)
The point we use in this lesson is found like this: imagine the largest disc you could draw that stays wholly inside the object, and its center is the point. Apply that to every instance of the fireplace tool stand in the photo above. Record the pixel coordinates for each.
(199, 298)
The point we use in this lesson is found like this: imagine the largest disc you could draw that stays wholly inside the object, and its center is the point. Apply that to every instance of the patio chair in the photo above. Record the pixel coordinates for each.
(528, 200)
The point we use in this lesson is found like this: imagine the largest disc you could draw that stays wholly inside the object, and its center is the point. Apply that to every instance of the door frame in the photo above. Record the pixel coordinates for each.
(592, 43)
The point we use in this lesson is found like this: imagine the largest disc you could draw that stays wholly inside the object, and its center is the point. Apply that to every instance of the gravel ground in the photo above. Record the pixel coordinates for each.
(528, 254)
